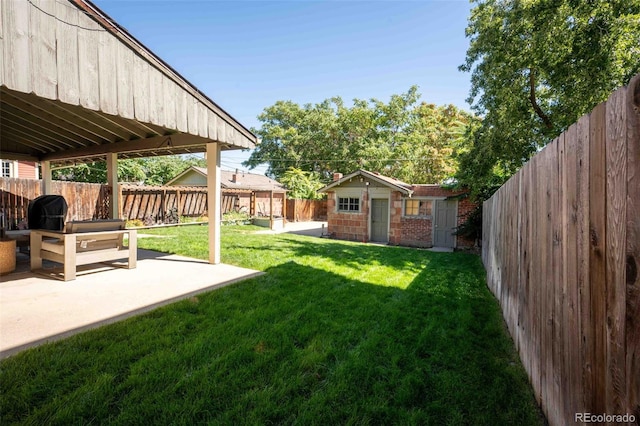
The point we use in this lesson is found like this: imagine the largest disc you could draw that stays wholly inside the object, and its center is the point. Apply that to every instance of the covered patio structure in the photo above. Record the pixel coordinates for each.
(76, 87)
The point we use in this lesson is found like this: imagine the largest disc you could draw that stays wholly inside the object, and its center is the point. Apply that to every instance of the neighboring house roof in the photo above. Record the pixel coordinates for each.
(395, 184)
(237, 180)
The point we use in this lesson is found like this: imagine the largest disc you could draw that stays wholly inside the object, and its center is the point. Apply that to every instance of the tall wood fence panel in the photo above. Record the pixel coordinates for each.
(86, 201)
(264, 202)
(306, 210)
(151, 204)
(561, 246)
(162, 203)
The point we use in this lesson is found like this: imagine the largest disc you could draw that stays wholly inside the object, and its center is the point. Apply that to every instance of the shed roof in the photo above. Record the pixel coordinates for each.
(392, 183)
(75, 86)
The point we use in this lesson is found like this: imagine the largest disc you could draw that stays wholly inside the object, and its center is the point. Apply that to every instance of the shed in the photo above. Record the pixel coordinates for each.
(366, 206)
(77, 87)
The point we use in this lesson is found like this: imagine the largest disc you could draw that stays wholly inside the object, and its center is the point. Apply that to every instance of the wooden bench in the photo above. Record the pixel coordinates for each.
(83, 243)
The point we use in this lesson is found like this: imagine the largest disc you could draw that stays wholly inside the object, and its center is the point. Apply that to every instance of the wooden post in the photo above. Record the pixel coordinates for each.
(112, 181)
(178, 204)
(284, 209)
(633, 246)
(271, 210)
(46, 177)
(213, 200)
(120, 203)
(163, 206)
(252, 204)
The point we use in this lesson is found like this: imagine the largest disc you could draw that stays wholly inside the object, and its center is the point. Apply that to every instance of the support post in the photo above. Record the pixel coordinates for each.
(46, 177)
(112, 181)
(271, 210)
(284, 209)
(213, 200)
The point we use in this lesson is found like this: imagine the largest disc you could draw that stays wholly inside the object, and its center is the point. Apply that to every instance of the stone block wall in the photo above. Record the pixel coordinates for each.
(347, 226)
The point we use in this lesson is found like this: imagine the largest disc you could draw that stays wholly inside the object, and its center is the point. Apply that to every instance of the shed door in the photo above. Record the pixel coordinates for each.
(445, 223)
(379, 220)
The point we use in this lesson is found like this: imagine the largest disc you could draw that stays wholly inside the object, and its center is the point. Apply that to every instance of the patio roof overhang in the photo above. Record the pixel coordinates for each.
(75, 86)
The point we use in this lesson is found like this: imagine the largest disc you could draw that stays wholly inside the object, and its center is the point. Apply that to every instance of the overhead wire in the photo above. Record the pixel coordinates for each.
(65, 22)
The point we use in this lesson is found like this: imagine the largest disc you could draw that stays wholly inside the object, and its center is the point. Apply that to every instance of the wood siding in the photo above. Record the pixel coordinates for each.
(61, 53)
(561, 245)
(86, 201)
(151, 204)
(306, 210)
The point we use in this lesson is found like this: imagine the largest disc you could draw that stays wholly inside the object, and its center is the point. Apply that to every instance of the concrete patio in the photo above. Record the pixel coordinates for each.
(35, 309)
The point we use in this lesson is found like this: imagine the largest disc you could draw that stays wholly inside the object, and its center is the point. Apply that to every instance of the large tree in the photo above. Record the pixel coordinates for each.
(537, 66)
(150, 170)
(404, 138)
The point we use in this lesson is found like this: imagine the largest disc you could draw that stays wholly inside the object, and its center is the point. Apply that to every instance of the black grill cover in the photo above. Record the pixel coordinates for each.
(47, 212)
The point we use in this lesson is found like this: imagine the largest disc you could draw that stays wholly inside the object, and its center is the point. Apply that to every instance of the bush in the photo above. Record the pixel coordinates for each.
(236, 218)
(192, 219)
(134, 223)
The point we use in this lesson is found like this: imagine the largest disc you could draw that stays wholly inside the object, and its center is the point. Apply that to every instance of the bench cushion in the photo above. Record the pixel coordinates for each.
(77, 226)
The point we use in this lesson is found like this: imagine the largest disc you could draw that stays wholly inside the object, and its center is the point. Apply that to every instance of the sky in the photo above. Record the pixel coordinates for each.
(246, 55)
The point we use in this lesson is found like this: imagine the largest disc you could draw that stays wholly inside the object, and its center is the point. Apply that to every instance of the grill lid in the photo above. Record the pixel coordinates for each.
(47, 212)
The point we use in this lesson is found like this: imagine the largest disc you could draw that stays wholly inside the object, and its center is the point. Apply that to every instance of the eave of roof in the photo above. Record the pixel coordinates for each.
(394, 184)
(114, 28)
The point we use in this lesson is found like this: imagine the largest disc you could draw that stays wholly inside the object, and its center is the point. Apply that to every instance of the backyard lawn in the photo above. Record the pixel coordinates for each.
(333, 333)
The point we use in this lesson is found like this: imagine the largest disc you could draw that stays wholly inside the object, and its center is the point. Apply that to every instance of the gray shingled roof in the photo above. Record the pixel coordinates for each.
(245, 180)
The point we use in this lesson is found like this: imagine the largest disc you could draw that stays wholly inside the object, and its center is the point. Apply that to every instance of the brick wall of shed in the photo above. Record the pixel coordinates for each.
(395, 218)
(412, 232)
(417, 232)
(347, 226)
(465, 207)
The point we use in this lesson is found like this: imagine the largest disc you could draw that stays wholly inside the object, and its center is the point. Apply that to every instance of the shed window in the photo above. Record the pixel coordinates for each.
(417, 207)
(348, 204)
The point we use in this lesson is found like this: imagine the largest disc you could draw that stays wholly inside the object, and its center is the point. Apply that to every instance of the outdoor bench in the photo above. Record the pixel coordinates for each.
(83, 243)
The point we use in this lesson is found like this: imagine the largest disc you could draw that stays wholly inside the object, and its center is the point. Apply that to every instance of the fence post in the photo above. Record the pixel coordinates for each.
(179, 202)
(163, 205)
(120, 204)
(252, 204)
(632, 261)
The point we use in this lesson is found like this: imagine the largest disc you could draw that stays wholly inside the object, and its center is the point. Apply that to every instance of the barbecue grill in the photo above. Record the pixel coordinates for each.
(47, 212)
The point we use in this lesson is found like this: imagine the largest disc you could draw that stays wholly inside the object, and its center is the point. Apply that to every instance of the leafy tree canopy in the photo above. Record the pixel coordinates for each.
(536, 67)
(301, 184)
(404, 138)
(150, 170)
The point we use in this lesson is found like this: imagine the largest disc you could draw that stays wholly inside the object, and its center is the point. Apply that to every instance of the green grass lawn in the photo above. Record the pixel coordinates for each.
(333, 333)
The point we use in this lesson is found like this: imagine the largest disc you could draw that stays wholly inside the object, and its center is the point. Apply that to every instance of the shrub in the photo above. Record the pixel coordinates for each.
(134, 223)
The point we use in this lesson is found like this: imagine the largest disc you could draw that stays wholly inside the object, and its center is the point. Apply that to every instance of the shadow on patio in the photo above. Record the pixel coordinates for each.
(38, 309)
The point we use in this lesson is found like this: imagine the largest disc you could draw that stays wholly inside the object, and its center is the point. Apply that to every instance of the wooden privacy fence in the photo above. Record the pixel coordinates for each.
(305, 210)
(162, 204)
(86, 201)
(561, 245)
(151, 204)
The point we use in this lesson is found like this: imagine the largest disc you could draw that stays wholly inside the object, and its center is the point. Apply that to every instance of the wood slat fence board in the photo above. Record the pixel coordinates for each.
(86, 201)
(561, 246)
(306, 210)
(151, 204)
